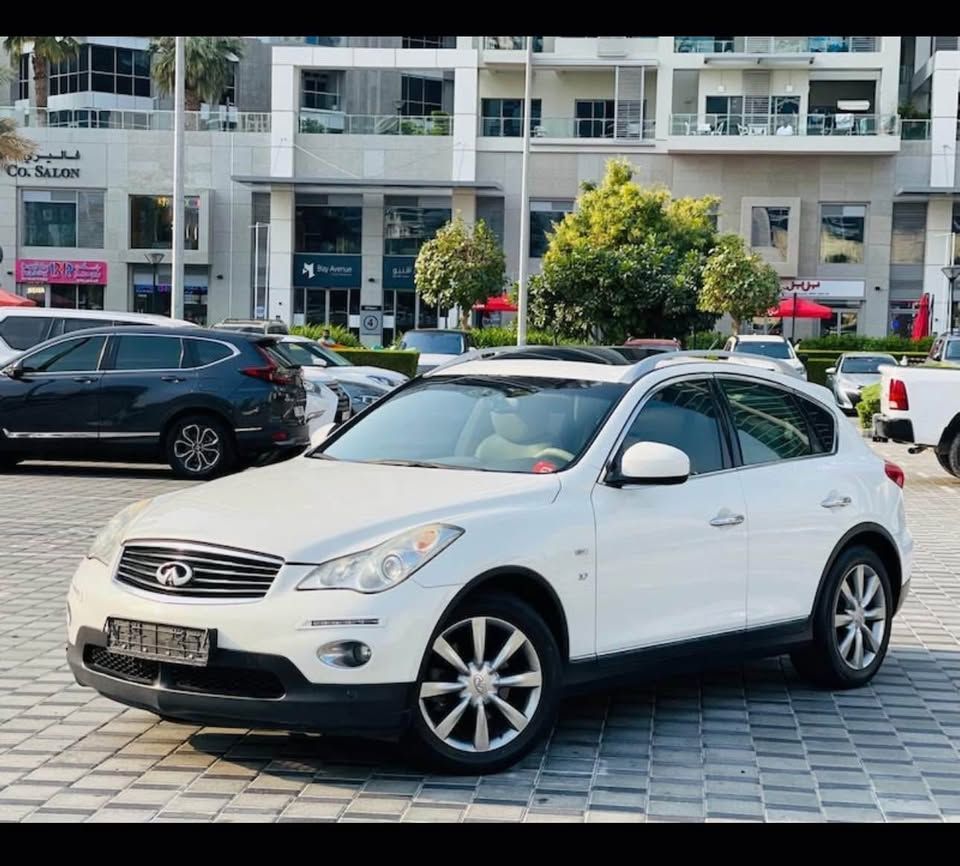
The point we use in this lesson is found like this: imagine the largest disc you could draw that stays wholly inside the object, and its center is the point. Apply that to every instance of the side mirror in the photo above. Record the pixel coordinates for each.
(14, 371)
(320, 434)
(320, 362)
(651, 463)
(831, 371)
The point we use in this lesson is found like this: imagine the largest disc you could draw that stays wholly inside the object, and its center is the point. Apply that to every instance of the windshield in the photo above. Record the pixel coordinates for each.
(433, 342)
(951, 351)
(773, 349)
(311, 355)
(492, 423)
(859, 366)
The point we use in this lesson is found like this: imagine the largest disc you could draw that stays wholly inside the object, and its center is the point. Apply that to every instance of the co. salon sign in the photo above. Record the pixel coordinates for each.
(40, 166)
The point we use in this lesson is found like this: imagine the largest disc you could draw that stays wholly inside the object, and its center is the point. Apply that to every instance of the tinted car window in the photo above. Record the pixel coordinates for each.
(69, 356)
(69, 325)
(768, 422)
(685, 416)
(147, 353)
(951, 350)
(860, 365)
(821, 420)
(23, 332)
(199, 353)
(773, 349)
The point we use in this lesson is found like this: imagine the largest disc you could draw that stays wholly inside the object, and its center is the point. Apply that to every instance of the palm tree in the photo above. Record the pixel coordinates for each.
(209, 71)
(45, 50)
(13, 147)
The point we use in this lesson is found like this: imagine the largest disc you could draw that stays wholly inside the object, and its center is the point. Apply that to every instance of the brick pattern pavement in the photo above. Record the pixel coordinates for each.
(752, 743)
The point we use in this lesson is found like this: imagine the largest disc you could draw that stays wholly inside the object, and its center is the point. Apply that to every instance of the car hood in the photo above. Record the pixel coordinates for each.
(310, 509)
(857, 380)
(365, 374)
(432, 359)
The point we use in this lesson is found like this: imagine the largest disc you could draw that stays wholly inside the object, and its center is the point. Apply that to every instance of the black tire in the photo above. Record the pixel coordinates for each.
(498, 610)
(213, 452)
(8, 463)
(823, 661)
(949, 458)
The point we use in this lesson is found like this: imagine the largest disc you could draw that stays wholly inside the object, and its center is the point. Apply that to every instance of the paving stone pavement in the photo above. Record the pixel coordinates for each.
(743, 744)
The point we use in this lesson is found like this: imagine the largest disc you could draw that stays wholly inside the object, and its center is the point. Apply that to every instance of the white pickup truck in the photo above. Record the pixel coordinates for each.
(921, 406)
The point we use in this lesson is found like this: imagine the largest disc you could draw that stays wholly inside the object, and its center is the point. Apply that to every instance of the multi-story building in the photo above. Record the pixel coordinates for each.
(310, 200)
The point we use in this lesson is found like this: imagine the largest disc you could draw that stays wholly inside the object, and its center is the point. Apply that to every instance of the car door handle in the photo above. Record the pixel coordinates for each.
(172, 378)
(836, 501)
(84, 380)
(727, 520)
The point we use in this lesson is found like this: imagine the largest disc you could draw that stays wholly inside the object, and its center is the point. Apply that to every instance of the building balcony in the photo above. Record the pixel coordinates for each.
(338, 123)
(619, 130)
(219, 119)
(773, 133)
(775, 45)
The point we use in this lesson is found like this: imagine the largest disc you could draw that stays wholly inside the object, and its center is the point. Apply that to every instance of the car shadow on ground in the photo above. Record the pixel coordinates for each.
(144, 471)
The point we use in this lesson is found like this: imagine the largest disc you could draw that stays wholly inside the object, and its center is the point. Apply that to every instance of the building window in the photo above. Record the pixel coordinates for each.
(594, 118)
(327, 229)
(902, 314)
(429, 42)
(321, 90)
(501, 118)
(543, 217)
(713, 217)
(102, 69)
(63, 218)
(512, 43)
(909, 229)
(842, 323)
(769, 230)
(407, 228)
(23, 80)
(151, 222)
(421, 96)
(842, 229)
(490, 210)
(956, 233)
(76, 297)
(229, 95)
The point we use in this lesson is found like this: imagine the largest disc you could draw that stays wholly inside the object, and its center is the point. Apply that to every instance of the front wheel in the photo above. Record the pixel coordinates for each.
(199, 447)
(488, 686)
(851, 625)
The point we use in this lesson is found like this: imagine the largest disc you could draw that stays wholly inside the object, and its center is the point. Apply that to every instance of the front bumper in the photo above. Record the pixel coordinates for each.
(895, 429)
(239, 688)
(260, 442)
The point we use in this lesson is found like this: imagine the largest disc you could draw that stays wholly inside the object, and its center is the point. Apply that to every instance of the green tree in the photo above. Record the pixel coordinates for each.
(627, 262)
(460, 266)
(209, 68)
(738, 282)
(44, 50)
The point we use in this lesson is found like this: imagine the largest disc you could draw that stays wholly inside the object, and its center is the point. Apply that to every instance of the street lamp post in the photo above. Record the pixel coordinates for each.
(951, 272)
(154, 259)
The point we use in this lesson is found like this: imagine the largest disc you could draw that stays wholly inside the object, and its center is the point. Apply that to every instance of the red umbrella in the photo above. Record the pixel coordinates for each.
(498, 304)
(800, 308)
(8, 299)
(921, 322)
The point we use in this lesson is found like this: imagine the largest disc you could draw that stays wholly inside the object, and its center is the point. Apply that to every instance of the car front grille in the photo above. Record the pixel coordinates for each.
(343, 402)
(202, 571)
(229, 682)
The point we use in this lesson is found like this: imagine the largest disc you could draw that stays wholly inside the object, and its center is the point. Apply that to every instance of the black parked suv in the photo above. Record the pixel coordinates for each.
(203, 401)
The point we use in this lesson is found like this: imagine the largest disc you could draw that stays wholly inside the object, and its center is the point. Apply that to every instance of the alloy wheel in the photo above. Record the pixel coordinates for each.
(860, 616)
(198, 448)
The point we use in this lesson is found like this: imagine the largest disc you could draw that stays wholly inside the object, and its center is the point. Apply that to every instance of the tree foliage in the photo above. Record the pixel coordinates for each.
(460, 266)
(208, 62)
(13, 146)
(738, 282)
(626, 262)
(44, 50)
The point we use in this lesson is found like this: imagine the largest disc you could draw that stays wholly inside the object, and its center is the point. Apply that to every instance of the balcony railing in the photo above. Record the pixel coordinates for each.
(373, 124)
(511, 43)
(775, 44)
(784, 124)
(574, 127)
(226, 120)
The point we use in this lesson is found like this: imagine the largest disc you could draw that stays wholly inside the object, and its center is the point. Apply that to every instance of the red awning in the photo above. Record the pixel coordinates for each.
(800, 308)
(8, 299)
(499, 304)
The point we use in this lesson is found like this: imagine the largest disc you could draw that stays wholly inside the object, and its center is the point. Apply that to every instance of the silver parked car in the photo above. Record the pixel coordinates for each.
(854, 372)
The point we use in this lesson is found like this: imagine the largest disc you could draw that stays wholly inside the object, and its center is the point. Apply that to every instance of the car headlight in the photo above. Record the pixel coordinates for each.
(313, 387)
(385, 565)
(105, 545)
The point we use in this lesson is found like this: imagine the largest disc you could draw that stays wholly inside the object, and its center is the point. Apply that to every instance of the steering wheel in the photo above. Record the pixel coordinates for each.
(556, 453)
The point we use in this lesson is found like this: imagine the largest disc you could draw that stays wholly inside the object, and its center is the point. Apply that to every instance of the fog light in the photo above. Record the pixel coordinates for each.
(344, 654)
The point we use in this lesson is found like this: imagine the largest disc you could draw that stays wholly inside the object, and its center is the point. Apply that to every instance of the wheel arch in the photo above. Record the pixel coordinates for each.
(949, 433)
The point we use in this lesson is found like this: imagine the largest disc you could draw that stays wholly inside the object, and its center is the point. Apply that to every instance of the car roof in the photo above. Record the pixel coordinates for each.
(650, 341)
(149, 331)
(585, 354)
(434, 331)
(116, 315)
(878, 354)
(760, 338)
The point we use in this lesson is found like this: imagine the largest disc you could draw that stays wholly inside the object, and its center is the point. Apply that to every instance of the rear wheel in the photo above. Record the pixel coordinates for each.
(200, 447)
(488, 686)
(851, 625)
(949, 459)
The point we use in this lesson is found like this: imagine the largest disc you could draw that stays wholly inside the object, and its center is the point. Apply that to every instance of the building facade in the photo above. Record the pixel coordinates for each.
(312, 187)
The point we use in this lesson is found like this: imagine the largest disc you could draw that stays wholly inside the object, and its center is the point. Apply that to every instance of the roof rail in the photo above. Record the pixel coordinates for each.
(483, 354)
(693, 356)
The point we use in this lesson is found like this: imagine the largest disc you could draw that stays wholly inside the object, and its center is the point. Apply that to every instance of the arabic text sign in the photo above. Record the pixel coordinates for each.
(42, 165)
(61, 271)
(398, 272)
(816, 288)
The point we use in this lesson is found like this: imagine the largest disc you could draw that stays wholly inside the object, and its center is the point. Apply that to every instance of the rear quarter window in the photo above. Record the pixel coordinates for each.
(201, 353)
(822, 422)
(24, 332)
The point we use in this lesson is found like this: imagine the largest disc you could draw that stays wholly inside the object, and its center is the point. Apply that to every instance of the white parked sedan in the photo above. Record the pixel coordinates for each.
(769, 346)
(495, 534)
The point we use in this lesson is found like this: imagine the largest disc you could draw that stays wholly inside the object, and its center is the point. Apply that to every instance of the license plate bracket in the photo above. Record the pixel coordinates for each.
(160, 642)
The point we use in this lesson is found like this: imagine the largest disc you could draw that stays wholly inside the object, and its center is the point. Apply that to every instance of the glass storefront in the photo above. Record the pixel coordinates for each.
(844, 321)
(151, 222)
(154, 297)
(68, 296)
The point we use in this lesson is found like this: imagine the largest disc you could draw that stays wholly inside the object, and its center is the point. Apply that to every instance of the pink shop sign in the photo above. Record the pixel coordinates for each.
(61, 271)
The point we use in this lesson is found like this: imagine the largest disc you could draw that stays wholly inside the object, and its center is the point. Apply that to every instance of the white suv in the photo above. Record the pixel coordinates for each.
(768, 346)
(494, 534)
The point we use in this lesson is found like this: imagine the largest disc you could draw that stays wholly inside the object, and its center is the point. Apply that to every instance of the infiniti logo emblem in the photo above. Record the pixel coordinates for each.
(480, 684)
(174, 574)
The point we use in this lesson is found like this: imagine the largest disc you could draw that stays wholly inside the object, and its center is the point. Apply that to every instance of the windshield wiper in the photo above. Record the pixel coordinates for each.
(423, 464)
